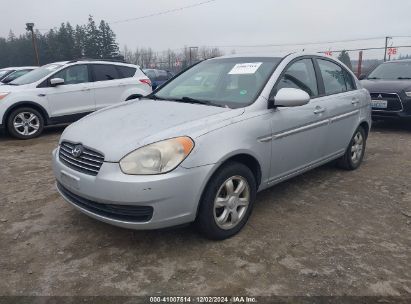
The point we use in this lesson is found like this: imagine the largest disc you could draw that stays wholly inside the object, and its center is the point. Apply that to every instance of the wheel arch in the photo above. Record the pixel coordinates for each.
(240, 157)
(28, 104)
(365, 125)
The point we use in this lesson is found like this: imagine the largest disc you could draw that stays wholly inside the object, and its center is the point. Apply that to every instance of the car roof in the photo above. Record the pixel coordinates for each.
(96, 61)
(18, 68)
(398, 61)
(274, 55)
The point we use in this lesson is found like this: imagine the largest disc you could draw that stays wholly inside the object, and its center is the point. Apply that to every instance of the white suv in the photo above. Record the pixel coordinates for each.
(63, 92)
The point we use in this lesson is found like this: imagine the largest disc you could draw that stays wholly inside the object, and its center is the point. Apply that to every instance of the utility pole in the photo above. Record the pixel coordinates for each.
(30, 28)
(386, 47)
(359, 71)
(191, 56)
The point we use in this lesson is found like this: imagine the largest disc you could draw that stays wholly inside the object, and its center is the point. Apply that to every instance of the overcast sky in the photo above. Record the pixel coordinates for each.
(224, 22)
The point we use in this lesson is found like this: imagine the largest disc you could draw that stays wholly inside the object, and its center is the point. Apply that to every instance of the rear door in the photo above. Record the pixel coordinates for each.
(74, 96)
(341, 98)
(298, 133)
(108, 85)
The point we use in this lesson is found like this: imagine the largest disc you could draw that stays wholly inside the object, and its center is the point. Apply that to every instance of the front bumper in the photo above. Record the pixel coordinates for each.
(173, 197)
(391, 115)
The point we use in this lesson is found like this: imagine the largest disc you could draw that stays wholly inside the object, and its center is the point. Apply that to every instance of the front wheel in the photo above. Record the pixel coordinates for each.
(354, 154)
(227, 201)
(25, 123)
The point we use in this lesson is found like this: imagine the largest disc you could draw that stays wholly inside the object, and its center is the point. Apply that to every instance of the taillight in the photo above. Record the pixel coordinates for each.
(146, 81)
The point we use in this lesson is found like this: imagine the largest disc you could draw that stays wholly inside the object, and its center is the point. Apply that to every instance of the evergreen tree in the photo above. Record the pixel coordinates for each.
(109, 46)
(344, 57)
(79, 41)
(92, 43)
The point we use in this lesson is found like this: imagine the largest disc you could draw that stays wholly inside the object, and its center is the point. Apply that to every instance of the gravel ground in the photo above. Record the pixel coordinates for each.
(327, 232)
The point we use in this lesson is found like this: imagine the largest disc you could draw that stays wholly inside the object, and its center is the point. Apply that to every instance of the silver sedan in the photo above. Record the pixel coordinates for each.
(200, 147)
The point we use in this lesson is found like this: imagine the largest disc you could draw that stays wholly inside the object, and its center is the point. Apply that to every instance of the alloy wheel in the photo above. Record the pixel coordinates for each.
(357, 148)
(231, 202)
(26, 123)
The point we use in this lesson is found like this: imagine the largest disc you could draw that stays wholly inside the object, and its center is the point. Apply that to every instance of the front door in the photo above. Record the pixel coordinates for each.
(74, 97)
(298, 133)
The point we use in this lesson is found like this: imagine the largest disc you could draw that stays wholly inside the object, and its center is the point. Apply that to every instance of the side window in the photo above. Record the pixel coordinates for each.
(349, 81)
(74, 74)
(126, 72)
(162, 76)
(104, 72)
(333, 77)
(300, 75)
(150, 74)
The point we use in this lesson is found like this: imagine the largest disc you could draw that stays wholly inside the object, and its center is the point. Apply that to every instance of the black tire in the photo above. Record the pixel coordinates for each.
(346, 161)
(35, 127)
(206, 221)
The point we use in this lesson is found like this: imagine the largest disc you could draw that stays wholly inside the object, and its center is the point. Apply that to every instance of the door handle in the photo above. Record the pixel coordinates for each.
(86, 89)
(355, 101)
(319, 110)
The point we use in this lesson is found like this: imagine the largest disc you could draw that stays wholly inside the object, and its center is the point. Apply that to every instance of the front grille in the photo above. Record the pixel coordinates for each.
(117, 212)
(89, 162)
(394, 103)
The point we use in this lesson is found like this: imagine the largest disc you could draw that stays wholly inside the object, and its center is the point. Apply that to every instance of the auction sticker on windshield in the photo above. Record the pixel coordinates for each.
(245, 68)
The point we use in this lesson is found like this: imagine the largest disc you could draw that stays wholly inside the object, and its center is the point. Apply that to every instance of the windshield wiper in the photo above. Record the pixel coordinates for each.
(373, 78)
(154, 97)
(401, 78)
(196, 101)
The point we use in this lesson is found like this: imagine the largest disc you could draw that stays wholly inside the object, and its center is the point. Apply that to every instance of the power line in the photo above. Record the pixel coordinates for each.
(366, 49)
(163, 12)
(153, 14)
(296, 44)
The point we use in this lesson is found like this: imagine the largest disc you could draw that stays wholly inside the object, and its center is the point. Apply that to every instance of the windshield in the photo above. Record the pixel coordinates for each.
(232, 82)
(4, 73)
(15, 75)
(391, 71)
(36, 74)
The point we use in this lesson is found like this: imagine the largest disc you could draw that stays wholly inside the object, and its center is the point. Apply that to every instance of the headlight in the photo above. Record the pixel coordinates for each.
(3, 94)
(157, 158)
(408, 94)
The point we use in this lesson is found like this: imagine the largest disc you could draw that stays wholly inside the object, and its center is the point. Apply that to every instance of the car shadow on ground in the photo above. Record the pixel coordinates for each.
(49, 130)
(391, 125)
(267, 201)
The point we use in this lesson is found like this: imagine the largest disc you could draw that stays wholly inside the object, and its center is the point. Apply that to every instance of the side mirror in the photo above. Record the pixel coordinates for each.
(362, 77)
(56, 81)
(288, 97)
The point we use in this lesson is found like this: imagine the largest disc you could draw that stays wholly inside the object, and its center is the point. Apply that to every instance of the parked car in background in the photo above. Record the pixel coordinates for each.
(7, 71)
(63, 92)
(201, 147)
(18, 72)
(158, 77)
(390, 87)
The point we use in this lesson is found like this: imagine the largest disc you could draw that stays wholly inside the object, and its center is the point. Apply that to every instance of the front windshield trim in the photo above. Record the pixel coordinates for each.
(240, 59)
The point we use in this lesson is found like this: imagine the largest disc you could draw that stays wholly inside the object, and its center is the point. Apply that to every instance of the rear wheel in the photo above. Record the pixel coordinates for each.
(354, 154)
(25, 123)
(227, 201)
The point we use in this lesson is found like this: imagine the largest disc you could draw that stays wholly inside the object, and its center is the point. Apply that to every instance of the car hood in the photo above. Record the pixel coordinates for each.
(116, 131)
(386, 86)
(14, 88)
